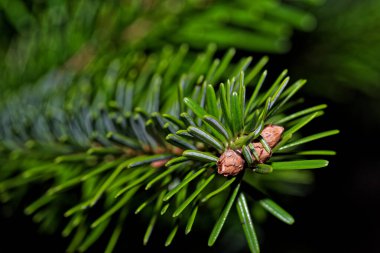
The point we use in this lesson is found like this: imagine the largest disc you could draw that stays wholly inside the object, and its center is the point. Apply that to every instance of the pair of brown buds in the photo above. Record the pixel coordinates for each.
(231, 162)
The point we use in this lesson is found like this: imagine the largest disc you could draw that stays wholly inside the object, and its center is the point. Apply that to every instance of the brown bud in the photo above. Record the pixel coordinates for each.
(272, 134)
(261, 152)
(159, 163)
(230, 163)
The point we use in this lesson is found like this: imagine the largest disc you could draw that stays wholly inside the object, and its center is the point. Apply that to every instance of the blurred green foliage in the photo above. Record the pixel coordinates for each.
(40, 35)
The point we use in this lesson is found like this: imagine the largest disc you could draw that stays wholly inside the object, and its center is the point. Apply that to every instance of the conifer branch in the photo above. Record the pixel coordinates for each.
(143, 134)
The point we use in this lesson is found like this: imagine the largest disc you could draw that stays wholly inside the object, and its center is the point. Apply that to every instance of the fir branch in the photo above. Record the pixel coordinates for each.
(143, 135)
